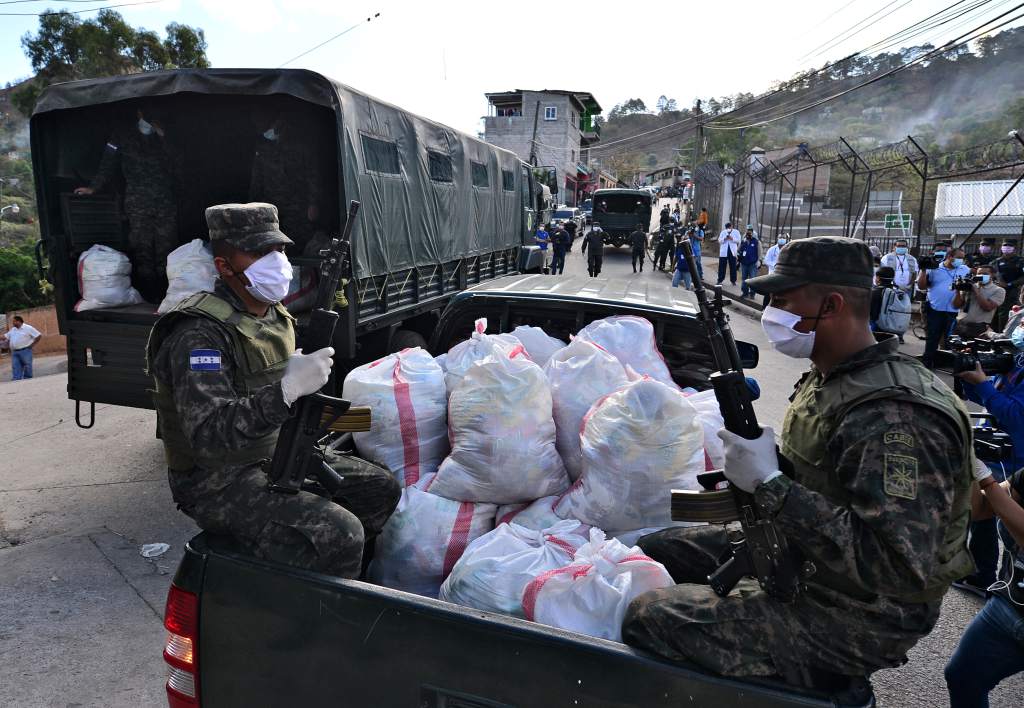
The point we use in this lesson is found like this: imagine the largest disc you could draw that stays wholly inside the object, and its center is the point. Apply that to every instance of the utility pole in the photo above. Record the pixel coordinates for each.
(533, 140)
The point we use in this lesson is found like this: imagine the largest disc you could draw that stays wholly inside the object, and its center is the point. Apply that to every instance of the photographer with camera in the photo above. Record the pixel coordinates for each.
(977, 297)
(1003, 398)
(938, 279)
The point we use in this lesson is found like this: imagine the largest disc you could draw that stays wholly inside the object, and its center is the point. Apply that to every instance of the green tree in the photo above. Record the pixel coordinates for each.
(627, 108)
(19, 282)
(66, 48)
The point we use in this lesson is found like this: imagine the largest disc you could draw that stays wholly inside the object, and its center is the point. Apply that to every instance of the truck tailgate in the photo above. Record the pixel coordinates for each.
(271, 635)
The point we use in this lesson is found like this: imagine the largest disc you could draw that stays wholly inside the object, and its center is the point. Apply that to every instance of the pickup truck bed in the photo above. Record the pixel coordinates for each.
(274, 635)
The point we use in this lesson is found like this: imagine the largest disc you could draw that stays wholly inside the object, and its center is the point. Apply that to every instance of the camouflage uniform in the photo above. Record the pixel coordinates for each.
(149, 203)
(285, 173)
(877, 500)
(219, 423)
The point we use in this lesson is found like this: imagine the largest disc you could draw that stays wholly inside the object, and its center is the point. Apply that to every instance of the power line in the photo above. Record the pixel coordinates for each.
(329, 40)
(77, 12)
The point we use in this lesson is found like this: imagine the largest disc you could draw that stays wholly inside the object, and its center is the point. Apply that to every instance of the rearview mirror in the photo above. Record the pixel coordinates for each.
(749, 355)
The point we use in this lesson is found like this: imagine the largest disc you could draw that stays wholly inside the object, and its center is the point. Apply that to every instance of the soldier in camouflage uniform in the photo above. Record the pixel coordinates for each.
(139, 154)
(286, 172)
(877, 499)
(227, 374)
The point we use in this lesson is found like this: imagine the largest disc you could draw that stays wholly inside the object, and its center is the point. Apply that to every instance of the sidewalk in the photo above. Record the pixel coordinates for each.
(44, 365)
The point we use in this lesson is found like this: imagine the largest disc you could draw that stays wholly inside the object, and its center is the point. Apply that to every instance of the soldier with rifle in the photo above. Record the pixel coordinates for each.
(854, 527)
(227, 376)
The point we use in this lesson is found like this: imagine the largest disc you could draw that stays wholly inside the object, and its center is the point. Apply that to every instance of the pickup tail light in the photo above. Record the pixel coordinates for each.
(181, 620)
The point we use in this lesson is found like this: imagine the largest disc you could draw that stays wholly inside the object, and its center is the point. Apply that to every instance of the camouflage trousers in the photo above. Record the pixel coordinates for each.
(748, 633)
(303, 529)
(152, 235)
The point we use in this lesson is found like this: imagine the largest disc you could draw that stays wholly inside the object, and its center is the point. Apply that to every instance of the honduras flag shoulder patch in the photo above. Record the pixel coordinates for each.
(204, 360)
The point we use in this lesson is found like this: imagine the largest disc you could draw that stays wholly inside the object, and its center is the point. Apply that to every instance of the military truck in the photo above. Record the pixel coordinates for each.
(441, 210)
(618, 211)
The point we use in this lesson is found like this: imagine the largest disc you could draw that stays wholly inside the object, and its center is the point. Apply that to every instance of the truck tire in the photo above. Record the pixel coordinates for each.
(405, 339)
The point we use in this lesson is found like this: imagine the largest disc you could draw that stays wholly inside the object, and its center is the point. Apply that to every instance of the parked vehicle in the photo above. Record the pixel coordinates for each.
(588, 211)
(247, 632)
(618, 211)
(441, 210)
(565, 214)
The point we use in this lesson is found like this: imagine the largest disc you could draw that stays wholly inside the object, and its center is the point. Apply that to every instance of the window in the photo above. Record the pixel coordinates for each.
(508, 180)
(479, 171)
(440, 166)
(550, 112)
(380, 156)
(573, 156)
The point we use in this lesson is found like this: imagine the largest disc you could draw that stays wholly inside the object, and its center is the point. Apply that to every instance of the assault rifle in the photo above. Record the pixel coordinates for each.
(757, 548)
(298, 455)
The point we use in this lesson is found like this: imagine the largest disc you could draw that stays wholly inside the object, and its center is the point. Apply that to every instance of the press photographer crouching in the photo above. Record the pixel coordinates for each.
(995, 381)
(977, 297)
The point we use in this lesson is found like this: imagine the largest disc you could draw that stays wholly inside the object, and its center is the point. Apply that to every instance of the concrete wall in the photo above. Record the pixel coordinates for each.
(45, 320)
(558, 141)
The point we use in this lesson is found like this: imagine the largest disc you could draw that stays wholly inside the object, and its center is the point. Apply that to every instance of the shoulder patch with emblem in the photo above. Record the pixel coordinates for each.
(204, 360)
(900, 476)
(900, 438)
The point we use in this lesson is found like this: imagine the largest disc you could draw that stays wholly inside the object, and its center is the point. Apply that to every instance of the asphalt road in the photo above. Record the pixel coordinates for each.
(81, 610)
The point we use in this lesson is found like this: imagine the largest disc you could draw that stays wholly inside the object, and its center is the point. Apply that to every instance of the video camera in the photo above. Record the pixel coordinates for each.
(996, 356)
(965, 283)
(992, 444)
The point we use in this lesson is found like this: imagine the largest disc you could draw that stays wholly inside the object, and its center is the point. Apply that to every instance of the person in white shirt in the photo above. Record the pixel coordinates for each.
(728, 245)
(21, 338)
(903, 265)
(772, 257)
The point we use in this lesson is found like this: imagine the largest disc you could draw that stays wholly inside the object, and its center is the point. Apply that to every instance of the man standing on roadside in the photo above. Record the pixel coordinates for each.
(543, 240)
(1010, 267)
(560, 242)
(21, 339)
(594, 240)
(904, 266)
(941, 310)
(728, 245)
(749, 258)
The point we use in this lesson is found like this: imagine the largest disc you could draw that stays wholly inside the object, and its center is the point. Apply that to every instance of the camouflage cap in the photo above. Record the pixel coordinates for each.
(828, 260)
(249, 227)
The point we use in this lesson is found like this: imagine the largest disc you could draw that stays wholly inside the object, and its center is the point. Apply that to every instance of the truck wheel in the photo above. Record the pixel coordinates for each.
(405, 339)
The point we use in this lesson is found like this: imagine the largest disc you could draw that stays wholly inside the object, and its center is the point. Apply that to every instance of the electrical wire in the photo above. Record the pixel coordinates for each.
(845, 35)
(329, 40)
(78, 12)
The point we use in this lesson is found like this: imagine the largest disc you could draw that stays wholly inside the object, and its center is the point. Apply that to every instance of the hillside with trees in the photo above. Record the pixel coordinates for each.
(968, 95)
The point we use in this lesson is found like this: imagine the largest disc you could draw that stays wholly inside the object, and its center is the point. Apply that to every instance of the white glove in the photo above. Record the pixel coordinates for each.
(748, 463)
(981, 471)
(306, 374)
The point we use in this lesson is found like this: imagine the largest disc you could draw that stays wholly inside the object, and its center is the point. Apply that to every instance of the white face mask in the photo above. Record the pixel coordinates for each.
(270, 134)
(778, 326)
(145, 127)
(269, 278)
(782, 242)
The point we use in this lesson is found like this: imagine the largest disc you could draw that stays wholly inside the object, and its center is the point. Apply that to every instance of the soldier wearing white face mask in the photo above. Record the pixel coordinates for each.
(876, 495)
(226, 375)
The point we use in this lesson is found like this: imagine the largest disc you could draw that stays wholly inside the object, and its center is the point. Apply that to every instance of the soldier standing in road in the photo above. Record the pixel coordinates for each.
(877, 497)
(139, 153)
(594, 240)
(1010, 267)
(227, 375)
(638, 242)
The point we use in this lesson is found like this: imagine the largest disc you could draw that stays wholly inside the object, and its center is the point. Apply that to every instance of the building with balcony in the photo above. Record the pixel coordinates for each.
(550, 129)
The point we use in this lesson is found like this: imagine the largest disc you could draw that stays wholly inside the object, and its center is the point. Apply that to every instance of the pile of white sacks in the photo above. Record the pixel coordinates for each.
(531, 466)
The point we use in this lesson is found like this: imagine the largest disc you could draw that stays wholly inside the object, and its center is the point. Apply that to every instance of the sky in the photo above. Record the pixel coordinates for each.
(439, 58)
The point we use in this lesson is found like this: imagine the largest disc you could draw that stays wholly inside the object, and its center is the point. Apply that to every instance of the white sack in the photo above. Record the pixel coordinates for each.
(639, 444)
(190, 270)
(479, 345)
(630, 339)
(536, 515)
(424, 538)
(710, 415)
(496, 568)
(105, 279)
(539, 345)
(591, 594)
(409, 431)
(502, 435)
(580, 375)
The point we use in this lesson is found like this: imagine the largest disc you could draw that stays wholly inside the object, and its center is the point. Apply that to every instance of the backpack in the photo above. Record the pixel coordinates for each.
(894, 316)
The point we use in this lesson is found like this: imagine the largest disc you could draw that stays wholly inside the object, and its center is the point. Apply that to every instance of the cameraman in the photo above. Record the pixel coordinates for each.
(1003, 398)
(942, 312)
(978, 300)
